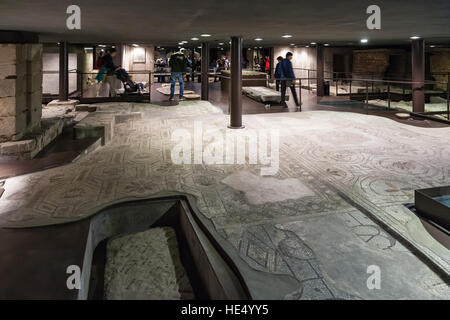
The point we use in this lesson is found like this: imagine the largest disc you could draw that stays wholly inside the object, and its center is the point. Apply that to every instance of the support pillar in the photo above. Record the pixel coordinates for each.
(418, 74)
(236, 84)
(63, 71)
(205, 78)
(319, 70)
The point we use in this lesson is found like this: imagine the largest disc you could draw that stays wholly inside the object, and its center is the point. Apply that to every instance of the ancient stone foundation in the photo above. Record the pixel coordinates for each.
(20, 90)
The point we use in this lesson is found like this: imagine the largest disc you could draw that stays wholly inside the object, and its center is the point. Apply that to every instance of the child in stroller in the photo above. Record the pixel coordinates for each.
(129, 85)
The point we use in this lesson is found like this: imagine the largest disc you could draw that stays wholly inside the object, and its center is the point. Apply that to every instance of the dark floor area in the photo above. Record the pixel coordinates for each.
(62, 150)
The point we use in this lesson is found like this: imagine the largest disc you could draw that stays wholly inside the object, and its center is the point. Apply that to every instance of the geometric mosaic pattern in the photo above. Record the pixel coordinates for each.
(360, 170)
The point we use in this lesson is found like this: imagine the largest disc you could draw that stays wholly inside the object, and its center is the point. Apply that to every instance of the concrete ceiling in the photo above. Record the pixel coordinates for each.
(167, 22)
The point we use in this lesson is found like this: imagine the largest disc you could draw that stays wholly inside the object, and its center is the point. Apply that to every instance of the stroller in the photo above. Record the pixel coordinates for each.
(129, 85)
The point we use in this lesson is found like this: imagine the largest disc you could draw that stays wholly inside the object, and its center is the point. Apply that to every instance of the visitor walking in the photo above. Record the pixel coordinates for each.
(178, 66)
(278, 73)
(289, 76)
(108, 63)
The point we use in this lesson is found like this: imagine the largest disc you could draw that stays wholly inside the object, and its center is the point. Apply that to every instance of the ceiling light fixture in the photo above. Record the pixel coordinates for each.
(414, 37)
(286, 36)
(364, 40)
(194, 39)
(205, 35)
(258, 39)
(326, 44)
(313, 43)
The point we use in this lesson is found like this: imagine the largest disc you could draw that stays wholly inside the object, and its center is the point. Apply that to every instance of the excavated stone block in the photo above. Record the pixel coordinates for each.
(57, 103)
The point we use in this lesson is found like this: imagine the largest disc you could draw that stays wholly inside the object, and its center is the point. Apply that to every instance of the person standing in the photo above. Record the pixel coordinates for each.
(267, 65)
(178, 66)
(278, 73)
(288, 77)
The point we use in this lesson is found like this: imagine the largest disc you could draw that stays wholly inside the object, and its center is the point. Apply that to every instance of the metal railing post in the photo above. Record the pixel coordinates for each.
(81, 84)
(300, 94)
(350, 91)
(373, 77)
(367, 96)
(309, 87)
(150, 87)
(389, 95)
(336, 84)
(448, 100)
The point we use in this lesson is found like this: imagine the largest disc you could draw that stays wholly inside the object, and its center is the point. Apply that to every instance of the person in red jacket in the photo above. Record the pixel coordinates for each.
(99, 62)
(267, 66)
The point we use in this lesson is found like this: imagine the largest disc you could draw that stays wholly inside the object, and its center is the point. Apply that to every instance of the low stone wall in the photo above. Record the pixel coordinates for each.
(28, 148)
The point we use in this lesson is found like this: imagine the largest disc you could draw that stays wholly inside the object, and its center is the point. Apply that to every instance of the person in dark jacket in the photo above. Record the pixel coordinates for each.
(278, 73)
(289, 76)
(108, 63)
(178, 65)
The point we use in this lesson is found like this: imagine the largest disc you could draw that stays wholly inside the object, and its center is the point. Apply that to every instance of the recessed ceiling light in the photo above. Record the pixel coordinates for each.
(258, 39)
(286, 36)
(194, 39)
(292, 44)
(135, 45)
(184, 41)
(326, 44)
(220, 43)
(432, 46)
(205, 35)
(199, 47)
(313, 43)
(307, 46)
(414, 37)
(364, 40)
(180, 43)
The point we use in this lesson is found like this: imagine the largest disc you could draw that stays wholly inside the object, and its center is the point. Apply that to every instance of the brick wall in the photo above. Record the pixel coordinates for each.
(20, 90)
(373, 61)
(440, 62)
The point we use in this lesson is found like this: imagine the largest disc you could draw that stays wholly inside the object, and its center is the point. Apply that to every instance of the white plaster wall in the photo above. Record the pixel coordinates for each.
(129, 64)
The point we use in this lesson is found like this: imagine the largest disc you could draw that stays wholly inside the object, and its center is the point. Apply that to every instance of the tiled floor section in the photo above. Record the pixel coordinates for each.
(313, 234)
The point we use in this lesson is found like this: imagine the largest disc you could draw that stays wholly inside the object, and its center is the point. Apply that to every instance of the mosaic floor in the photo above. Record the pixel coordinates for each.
(342, 176)
(146, 266)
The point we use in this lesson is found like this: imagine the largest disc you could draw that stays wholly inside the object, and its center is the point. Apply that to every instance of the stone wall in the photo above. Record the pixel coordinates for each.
(373, 61)
(440, 62)
(20, 90)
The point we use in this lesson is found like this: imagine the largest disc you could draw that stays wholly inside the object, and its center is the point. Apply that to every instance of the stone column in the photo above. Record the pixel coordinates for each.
(418, 74)
(205, 63)
(236, 84)
(20, 90)
(320, 70)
